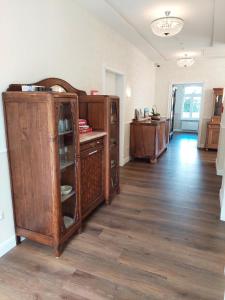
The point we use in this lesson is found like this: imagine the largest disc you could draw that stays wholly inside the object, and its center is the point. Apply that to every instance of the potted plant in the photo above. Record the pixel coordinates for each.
(155, 115)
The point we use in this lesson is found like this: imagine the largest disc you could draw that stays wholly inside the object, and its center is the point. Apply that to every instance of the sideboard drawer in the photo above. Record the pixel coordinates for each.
(93, 144)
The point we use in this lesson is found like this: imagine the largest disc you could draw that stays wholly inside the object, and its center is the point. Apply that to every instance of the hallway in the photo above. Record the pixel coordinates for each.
(161, 239)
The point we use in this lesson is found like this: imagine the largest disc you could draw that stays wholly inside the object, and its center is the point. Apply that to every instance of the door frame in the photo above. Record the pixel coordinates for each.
(121, 84)
(171, 84)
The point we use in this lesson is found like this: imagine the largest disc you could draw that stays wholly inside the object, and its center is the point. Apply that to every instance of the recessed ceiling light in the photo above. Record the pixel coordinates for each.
(167, 26)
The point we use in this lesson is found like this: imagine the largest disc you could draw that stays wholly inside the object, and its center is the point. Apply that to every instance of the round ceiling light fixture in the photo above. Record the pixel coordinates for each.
(185, 62)
(167, 26)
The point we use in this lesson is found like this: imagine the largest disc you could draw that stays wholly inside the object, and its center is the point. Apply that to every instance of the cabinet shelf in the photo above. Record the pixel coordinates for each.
(64, 165)
(68, 222)
(66, 197)
(65, 132)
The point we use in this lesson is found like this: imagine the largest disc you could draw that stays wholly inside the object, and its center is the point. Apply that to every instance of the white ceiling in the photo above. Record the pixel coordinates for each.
(203, 35)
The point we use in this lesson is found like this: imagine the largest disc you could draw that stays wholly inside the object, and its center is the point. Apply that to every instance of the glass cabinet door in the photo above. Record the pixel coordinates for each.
(114, 112)
(67, 161)
(114, 145)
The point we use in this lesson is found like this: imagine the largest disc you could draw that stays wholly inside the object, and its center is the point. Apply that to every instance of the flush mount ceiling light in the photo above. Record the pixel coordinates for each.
(167, 26)
(185, 62)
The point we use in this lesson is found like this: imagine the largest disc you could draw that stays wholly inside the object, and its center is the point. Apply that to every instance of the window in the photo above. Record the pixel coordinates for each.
(192, 102)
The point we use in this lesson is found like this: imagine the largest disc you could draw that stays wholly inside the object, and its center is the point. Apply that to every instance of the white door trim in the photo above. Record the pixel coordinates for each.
(201, 107)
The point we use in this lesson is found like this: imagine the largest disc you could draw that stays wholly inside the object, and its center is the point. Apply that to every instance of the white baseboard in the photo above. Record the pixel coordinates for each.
(125, 161)
(7, 245)
(219, 172)
(220, 195)
(201, 146)
(222, 209)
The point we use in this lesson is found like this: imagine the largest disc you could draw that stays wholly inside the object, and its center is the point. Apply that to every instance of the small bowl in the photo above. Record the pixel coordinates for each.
(66, 189)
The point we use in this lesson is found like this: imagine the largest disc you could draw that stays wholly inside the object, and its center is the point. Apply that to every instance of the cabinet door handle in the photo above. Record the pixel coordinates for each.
(93, 152)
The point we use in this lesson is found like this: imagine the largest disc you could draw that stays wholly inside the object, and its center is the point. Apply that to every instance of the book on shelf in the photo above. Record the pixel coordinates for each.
(82, 131)
(82, 122)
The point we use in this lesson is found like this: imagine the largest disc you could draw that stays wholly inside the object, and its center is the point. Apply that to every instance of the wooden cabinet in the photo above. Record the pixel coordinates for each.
(102, 113)
(43, 147)
(92, 175)
(213, 127)
(113, 160)
(51, 164)
(213, 132)
(149, 139)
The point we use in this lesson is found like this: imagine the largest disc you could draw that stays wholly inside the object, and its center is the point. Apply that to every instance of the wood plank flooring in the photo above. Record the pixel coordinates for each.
(160, 239)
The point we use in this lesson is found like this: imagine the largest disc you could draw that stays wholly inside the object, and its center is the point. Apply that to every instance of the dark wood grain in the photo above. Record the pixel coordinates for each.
(48, 83)
(161, 238)
(149, 139)
(32, 134)
(92, 175)
(102, 113)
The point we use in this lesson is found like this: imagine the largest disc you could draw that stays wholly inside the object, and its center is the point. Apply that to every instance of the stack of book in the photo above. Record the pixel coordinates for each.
(84, 127)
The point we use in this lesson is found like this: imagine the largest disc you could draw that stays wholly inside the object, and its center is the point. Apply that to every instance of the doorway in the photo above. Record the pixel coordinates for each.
(185, 110)
(114, 84)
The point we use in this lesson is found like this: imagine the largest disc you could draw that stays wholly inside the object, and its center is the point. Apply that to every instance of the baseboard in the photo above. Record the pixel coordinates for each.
(201, 146)
(220, 195)
(222, 212)
(7, 245)
(219, 172)
(126, 160)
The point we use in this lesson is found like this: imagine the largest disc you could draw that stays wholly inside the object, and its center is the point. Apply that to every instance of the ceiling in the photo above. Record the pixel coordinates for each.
(203, 35)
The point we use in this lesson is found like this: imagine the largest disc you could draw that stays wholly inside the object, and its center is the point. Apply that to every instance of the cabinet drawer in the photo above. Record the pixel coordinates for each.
(91, 144)
(214, 126)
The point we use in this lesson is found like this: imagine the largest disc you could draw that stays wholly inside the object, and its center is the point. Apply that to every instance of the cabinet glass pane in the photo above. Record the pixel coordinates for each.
(114, 163)
(66, 141)
(114, 112)
(114, 134)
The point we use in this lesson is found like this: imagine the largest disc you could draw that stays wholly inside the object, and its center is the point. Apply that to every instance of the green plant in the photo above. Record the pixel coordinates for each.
(154, 111)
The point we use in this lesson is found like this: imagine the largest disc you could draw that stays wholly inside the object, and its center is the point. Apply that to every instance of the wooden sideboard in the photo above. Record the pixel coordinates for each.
(149, 139)
(39, 166)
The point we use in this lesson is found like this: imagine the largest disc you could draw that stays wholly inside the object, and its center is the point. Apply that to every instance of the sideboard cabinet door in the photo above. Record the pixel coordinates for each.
(92, 179)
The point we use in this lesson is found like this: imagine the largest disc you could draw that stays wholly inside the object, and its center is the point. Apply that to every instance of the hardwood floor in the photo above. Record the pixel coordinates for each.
(160, 239)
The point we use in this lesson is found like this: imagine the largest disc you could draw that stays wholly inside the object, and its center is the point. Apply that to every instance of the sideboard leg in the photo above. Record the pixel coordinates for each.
(80, 230)
(58, 251)
(18, 239)
(153, 160)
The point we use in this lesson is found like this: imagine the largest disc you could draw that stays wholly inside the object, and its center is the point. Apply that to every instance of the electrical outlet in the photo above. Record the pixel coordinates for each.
(1, 215)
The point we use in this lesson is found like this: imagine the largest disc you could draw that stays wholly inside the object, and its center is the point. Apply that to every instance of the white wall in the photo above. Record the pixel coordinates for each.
(220, 161)
(59, 38)
(220, 164)
(211, 73)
